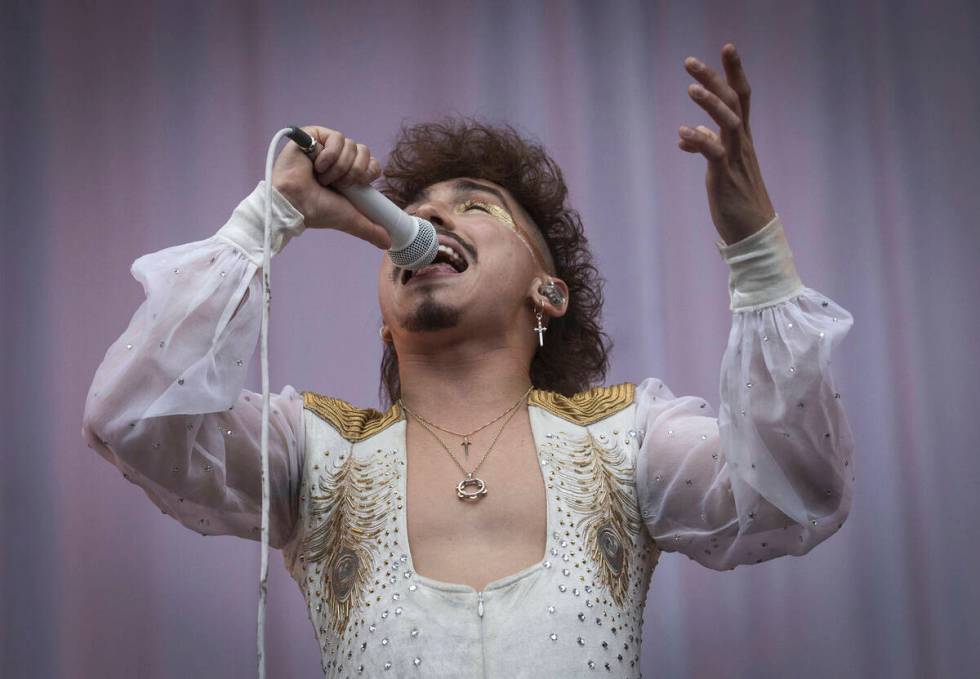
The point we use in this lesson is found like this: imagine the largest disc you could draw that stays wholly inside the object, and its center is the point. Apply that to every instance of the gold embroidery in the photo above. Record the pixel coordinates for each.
(587, 407)
(349, 518)
(596, 485)
(353, 423)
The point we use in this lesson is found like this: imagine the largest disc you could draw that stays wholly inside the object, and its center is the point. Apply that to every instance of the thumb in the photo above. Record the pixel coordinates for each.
(350, 220)
(373, 233)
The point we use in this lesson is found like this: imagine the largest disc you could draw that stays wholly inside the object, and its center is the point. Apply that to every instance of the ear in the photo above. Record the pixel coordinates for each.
(550, 294)
(385, 334)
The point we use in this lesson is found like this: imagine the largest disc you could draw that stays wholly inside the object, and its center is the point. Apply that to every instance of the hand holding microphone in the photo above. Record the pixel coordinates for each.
(348, 168)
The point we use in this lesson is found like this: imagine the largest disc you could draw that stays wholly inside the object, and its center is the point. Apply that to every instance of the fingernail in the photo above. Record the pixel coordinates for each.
(687, 132)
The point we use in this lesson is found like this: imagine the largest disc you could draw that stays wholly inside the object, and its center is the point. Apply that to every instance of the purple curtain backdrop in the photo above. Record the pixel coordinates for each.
(130, 127)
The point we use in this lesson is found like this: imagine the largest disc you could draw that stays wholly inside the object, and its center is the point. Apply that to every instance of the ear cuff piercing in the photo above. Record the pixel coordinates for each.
(553, 293)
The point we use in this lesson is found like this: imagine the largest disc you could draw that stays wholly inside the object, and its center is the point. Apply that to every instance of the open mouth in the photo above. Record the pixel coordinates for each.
(448, 262)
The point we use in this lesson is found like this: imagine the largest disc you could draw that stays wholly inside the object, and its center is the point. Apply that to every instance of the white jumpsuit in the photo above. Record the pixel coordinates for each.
(630, 470)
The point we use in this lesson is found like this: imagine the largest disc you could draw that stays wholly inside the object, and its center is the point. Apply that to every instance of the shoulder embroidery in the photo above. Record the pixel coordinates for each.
(353, 423)
(585, 407)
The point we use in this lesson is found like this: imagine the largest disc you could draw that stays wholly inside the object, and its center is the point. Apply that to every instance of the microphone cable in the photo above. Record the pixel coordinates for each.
(266, 309)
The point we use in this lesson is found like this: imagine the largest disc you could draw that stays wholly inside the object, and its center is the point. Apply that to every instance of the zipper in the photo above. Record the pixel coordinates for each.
(483, 648)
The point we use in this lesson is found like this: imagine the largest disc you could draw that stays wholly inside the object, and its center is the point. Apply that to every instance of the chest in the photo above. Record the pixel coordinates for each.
(474, 541)
(381, 496)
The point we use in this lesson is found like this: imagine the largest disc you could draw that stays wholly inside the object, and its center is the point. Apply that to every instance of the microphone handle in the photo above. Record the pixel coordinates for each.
(413, 241)
(370, 202)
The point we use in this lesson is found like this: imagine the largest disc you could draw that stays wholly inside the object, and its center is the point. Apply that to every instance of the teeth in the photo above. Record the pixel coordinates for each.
(449, 252)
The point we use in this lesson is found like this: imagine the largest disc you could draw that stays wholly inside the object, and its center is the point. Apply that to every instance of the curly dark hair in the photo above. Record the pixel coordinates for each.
(575, 355)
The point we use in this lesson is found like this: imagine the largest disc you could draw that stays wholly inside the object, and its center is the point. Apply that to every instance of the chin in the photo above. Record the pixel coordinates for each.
(431, 315)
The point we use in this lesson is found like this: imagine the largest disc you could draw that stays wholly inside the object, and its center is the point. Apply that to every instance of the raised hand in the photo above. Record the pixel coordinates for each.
(737, 196)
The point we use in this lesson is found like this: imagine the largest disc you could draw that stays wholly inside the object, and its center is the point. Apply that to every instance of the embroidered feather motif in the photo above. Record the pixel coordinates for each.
(350, 517)
(596, 484)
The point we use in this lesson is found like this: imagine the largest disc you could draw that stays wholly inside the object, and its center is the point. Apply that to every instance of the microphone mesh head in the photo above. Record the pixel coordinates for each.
(421, 251)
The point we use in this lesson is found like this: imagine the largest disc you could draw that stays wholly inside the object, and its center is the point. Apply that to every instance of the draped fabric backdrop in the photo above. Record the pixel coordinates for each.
(131, 127)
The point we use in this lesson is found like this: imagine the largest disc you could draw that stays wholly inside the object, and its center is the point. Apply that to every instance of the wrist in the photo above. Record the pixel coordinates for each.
(245, 229)
(763, 272)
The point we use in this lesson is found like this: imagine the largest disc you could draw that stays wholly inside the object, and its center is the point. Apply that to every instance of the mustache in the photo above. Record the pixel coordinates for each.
(397, 272)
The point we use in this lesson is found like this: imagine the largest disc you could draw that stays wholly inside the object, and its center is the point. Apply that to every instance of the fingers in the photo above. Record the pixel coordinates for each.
(737, 79)
(374, 170)
(333, 144)
(701, 140)
(714, 83)
(359, 168)
(716, 108)
(341, 166)
(727, 102)
(343, 162)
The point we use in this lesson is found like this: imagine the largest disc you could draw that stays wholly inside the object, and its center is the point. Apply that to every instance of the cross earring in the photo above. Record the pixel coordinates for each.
(540, 329)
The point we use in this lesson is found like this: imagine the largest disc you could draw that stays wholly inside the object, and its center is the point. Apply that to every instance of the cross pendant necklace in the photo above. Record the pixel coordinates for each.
(480, 487)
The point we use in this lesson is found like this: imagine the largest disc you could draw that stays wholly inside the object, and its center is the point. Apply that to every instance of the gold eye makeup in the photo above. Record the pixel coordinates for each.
(501, 215)
(494, 211)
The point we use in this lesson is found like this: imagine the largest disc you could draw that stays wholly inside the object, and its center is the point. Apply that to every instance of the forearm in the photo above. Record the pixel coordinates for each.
(772, 474)
(167, 405)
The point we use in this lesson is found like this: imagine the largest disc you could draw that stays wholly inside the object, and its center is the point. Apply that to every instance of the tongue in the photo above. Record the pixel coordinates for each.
(438, 266)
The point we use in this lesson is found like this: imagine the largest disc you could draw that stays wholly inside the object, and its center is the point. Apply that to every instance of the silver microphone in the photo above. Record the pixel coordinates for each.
(414, 242)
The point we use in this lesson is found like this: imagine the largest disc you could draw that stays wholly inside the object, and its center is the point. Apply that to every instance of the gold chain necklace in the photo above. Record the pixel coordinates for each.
(469, 480)
(466, 437)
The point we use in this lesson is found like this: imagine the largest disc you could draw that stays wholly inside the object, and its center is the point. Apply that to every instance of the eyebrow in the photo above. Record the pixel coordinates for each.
(468, 186)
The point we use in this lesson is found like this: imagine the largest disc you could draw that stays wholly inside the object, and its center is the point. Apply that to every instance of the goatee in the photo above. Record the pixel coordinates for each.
(431, 315)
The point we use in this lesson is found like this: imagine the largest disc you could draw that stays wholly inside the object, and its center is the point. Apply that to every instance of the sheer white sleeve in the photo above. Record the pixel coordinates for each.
(772, 474)
(166, 405)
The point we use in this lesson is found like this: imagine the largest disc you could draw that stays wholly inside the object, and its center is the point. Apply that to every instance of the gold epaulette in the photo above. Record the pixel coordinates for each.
(586, 407)
(353, 423)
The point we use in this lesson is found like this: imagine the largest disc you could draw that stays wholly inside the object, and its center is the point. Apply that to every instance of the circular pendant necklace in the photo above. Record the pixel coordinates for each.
(470, 488)
(466, 443)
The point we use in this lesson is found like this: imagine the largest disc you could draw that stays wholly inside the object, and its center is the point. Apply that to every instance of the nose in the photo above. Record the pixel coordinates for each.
(434, 213)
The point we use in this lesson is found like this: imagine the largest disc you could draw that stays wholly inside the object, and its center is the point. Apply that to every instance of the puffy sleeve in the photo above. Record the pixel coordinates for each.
(166, 406)
(772, 474)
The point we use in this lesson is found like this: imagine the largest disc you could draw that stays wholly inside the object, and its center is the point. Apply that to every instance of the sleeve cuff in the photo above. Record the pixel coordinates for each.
(762, 268)
(245, 228)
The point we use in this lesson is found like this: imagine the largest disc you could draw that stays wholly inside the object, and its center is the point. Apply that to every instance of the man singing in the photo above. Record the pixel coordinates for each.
(503, 515)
